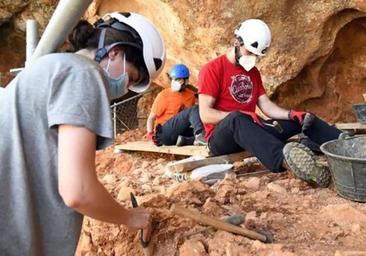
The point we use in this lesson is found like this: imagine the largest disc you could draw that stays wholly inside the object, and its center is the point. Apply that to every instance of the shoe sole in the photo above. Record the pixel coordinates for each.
(180, 141)
(199, 143)
(302, 162)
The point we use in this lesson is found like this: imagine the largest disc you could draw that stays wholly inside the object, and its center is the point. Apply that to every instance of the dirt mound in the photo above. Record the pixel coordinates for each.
(303, 220)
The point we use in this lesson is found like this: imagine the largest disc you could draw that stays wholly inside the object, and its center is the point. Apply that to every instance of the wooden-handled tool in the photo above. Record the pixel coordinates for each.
(219, 224)
(147, 249)
(275, 125)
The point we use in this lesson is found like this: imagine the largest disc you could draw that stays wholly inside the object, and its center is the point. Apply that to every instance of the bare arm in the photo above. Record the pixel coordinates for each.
(79, 186)
(271, 109)
(207, 113)
(150, 122)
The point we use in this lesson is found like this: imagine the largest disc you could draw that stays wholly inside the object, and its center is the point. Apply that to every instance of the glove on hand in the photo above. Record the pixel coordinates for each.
(297, 116)
(308, 121)
(254, 117)
(151, 136)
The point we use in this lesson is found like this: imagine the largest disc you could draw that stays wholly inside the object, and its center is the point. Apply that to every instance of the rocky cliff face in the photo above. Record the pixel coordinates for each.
(316, 59)
(13, 16)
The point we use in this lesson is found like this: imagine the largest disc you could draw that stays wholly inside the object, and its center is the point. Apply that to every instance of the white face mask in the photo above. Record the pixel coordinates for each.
(176, 86)
(117, 87)
(247, 61)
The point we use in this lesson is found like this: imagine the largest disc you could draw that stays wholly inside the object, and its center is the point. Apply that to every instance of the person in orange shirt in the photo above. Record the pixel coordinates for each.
(174, 117)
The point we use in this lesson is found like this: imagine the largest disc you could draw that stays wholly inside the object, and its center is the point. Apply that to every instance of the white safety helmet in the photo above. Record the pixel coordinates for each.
(255, 35)
(150, 40)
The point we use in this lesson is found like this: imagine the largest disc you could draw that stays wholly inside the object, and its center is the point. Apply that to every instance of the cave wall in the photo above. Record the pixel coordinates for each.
(13, 16)
(332, 83)
(316, 58)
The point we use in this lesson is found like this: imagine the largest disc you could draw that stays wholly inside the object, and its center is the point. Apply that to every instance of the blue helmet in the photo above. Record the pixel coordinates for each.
(179, 71)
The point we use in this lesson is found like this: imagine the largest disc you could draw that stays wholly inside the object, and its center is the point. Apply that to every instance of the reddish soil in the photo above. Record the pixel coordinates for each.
(303, 220)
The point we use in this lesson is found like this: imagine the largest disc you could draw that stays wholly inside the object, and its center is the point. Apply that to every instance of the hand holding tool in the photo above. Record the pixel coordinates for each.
(145, 244)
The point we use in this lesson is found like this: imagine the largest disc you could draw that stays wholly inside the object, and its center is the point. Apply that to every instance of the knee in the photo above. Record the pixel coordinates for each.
(194, 108)
(236, 119)
(237, 115)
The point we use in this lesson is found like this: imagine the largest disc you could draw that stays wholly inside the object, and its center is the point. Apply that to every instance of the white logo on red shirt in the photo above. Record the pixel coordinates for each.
(241, 88)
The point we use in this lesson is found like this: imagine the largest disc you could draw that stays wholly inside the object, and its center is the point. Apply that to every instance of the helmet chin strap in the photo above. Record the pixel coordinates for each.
(237, 54)
(183, 87)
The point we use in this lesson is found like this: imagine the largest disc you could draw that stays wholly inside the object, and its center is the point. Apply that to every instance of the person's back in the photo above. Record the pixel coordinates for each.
(57, 88)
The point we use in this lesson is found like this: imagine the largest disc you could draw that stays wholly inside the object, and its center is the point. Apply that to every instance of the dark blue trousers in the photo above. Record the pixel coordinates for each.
(237, 132)
(187, 123)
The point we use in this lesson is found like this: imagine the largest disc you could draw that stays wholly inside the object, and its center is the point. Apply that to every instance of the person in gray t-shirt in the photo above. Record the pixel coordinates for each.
(53, 116)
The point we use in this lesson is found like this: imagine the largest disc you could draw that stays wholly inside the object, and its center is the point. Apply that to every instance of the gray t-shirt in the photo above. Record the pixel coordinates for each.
(56, 89)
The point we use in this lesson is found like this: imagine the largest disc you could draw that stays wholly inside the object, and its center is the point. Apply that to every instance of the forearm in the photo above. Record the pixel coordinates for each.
(212, 116)
(97, 203)
(208, 113)
(78, 184)
(271, 109)
(150, 123)
(276, 112)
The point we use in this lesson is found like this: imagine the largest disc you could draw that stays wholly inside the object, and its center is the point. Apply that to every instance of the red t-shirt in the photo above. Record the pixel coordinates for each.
(233, 87)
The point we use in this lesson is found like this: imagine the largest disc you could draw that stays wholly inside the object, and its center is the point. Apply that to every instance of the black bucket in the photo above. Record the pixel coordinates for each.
(347, 163)
(359, 109)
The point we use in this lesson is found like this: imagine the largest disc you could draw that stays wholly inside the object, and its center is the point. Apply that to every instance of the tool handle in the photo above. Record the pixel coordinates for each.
(134, 205)
(277, 126)
(144, 243)
(219, 224)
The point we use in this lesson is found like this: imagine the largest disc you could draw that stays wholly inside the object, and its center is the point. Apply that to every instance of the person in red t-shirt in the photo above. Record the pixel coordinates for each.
(174, 117)
(230, 88)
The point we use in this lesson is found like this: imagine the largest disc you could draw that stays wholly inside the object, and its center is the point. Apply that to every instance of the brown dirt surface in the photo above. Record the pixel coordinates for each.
(303, 220)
